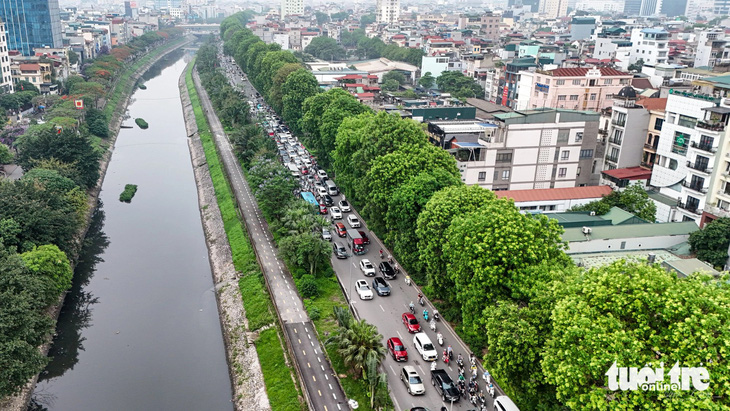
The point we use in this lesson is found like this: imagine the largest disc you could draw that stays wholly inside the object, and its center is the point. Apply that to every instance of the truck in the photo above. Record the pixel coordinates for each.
(444, 385)
(355, 242)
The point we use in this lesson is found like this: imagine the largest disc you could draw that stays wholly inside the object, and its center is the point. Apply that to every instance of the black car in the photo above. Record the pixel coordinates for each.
(328, 201)
(387, 270)
(365, 239)
(381, 286)
(444, 385)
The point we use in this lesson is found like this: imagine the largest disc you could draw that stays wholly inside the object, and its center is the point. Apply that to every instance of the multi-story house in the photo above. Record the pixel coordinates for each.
(626, 131)
(533, 149)
(513, 70)
(489, 26)
(656, 108)
(712, 48)
(572, 88)
(6, 76)
(650, 45)
(616, 49)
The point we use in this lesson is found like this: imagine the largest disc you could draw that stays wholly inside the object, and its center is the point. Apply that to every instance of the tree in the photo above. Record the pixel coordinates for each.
(341, 107)
(456, 83)
(24, 85)
(313, 108)
(633, 199)
(298, 86)
(358, 343)
(275, 92)
(487, 254)
(427, 80)
(49, 262)
(322, 18)
(711, 243)
(377, 381)
(6, 157)
(273, 187)
(431, 228)
(395, 75)
(367, 19)
(635, 314)
(307, 250)
(390, 85)
(637, 66)
(97, 122)
(325, 48)
(90, 89)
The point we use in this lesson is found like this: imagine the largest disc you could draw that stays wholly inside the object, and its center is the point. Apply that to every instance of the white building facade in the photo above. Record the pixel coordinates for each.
(387, 12)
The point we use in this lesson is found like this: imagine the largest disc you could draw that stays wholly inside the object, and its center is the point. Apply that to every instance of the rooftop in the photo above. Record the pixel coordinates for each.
(582, 71)
(629, 173)
(654, 103)
(612, 232)
(683, 268)
(548, 194)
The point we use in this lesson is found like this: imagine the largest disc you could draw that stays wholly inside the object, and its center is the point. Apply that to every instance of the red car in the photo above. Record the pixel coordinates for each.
(411, 322)
(365, 238)
(397, 349)
(305, 170)
(341, 231)
(322, 209)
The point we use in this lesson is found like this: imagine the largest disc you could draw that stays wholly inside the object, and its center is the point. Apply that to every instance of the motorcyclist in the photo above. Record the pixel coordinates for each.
(412, 307)
(440, 337)
(451, 352)
(425, 314)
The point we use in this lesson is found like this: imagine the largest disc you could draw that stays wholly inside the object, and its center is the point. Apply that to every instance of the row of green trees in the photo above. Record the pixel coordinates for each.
(547, 330)
(371, 48)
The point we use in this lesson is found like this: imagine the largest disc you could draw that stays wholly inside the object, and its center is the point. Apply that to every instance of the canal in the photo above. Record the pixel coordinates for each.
(139, 329)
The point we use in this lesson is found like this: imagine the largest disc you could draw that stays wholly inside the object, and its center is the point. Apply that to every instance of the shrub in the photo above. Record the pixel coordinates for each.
(308, 286)
(314, 313)
(141, 123)
(298, 272)
(128, 193)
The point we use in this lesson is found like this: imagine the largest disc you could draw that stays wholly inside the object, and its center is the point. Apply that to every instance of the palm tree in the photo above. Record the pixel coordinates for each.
(358, 343)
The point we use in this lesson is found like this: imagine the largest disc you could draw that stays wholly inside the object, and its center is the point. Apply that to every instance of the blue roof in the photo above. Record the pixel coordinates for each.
(309, 197)
(488, 125)
(654, 31)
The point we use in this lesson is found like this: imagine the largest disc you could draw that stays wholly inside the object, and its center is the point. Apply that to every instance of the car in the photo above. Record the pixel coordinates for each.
(341, 231)
(366, 267)
(397, 349)
(363, 290)
(328, 200)
(381, 286)
(445, 385)
(308, 162)
(339, 250)
(413, 381)
(411, 323)
(353, 221)
(345, 206)
(318, 184)
(305, 171)
(310, 178)
(365, 239)
(504, 403)
(336, 213)
(322, 174)
(326, 234)
(387, 270)
(322, 192)
(322, 209)
(425, 347)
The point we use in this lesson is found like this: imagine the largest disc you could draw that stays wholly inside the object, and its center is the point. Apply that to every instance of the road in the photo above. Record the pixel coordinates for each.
(385, 313)
(317, 374)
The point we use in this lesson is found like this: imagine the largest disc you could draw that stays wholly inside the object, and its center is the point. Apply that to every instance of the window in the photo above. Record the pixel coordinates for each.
(565, 155)
(559, 82)
(561, 98)
(505, 175)
(562, 172)
(593, 96)
(679, 145)
(482, 175)
(574, 97)
(504, 157)
(579, 137)
(607, 81)
(658, 124)
(687, 121)
(563, 135)
(576, 82)
(672, 164)
(588, 153)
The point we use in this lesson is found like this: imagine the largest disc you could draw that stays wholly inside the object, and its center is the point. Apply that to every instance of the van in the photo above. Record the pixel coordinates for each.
(504, 403)
(332, 188)
(355, 242)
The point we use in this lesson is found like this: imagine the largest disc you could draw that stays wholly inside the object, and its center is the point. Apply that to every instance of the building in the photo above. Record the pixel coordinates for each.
(582, 28)
(721, 7)
(555, 199)
(527, 150)
(382, 65)
(130, 10)
(571, 88)
(387, 12)
(712, 48)
(437, 65)
(673, 8)
(6, 76)
(513, 71)
(30, 72)
(643, 7)
(292, 7)
(31, 24)
(626, 131)
(656, 107)
(489, 26)
(650, 45)
(553, 9)
(615, 49)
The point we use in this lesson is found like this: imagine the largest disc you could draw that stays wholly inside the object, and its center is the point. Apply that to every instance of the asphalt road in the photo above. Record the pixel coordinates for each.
(317, 374)
(385, 313)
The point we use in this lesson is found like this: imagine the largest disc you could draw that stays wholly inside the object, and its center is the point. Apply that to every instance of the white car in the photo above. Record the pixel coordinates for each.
(352, 220)
(364, 291)
(326, 234)
(323, 192)
(423, 344)
(344, 206)
(367, 267)
(322, 174)
(335, 213)
(308, 162)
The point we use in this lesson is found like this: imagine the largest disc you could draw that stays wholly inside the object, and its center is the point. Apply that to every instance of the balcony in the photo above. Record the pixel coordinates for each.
(646, 165)
(620, 123)
(603, 131)
(704, 147)
(717, 211)
(692, 208)
(612, 159)
(650, 147)
(717, 127)
(694, 187)
(702, 168)
(615, 140)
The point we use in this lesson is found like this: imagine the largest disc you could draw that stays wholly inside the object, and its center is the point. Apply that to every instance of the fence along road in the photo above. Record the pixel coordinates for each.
(322, 388)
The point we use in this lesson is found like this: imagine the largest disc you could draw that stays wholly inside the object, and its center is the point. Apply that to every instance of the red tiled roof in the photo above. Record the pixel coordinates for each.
(354, 85)
(641, 83)
(399, 36)
(547, 194)
(351, 77)
(629, 173)
(654, 103)
(581, 72)
(30, 67)
(366, 95)
(372, 76)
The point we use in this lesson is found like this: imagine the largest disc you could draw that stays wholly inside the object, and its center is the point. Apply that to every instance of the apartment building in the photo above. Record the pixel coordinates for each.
(552, 9)
(650, 45)
(615, 49)
(489, 26)
(291, 7)
(626, 131)
(6, 76)
(571, 88)
(712, 47)
(30, 72)
(550, 148)
(387, 11)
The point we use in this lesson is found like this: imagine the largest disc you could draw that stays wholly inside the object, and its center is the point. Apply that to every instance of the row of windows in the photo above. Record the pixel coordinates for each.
(577, 82)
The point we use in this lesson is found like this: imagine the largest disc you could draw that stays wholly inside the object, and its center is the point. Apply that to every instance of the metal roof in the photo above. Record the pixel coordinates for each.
(613, 232)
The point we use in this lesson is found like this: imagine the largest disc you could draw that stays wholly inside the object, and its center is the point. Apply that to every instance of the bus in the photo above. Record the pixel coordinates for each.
(309, 197)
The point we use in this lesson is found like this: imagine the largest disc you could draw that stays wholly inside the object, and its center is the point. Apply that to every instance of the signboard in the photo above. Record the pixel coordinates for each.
(543, 88)
(505, 93)
(79, 104)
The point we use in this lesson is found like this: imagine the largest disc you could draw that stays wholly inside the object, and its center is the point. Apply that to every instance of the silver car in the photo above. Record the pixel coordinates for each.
(326, 234)
(413, 381)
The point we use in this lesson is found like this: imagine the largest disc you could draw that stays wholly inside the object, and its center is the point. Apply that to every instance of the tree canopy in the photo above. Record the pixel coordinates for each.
(325, 48)
(633, 199)
(459, 85)
(711, 243)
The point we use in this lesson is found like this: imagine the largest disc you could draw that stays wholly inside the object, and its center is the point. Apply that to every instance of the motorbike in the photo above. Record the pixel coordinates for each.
(421, 300)
(433, 325)
(412, 308)
(408, 280)
(433, 366)
(436, 315)
(382, 254)
(440, 339)
(425, 315)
